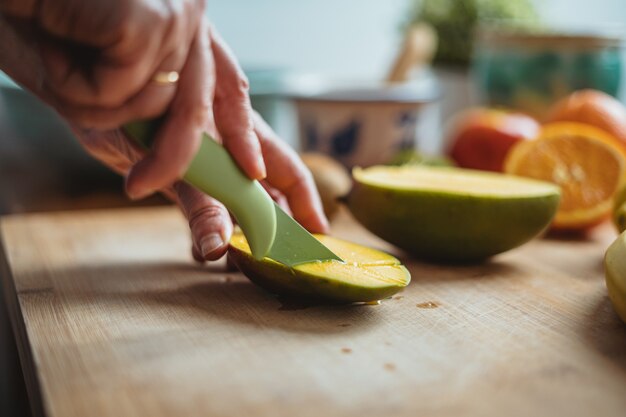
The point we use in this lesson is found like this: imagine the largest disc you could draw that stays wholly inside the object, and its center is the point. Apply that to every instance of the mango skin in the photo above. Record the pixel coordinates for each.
(282, 280)
(445, 227)
(619, 209)
(615, 275)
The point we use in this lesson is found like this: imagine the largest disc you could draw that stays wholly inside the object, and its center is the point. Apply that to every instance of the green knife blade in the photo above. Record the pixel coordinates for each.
(294, 245)
(270, 231)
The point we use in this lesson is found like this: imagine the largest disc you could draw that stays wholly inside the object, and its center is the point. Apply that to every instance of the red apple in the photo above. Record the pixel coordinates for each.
(481, 138)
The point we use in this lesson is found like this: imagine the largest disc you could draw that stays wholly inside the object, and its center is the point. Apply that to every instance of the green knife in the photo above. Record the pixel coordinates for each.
(270, 231)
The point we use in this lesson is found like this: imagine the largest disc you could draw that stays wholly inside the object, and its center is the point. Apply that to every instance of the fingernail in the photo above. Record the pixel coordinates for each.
(139, 194)
(133, 189)
(210, 243)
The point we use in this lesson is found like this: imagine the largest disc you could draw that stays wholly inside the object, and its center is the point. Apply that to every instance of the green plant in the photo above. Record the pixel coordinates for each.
(456, 21)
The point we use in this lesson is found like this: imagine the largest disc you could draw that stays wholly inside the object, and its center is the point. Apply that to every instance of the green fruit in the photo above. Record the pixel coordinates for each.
(615, 273)
(331, 179)
(451, 214)
(619, 210)
(365, 275)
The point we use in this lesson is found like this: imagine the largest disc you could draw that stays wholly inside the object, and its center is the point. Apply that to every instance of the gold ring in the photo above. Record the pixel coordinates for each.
(166, 77)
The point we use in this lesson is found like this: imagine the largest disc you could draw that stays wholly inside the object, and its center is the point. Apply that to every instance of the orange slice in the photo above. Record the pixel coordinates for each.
(587, 163)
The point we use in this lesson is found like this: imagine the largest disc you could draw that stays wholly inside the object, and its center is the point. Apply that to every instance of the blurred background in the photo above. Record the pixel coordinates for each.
(364, 81)
(358, 38)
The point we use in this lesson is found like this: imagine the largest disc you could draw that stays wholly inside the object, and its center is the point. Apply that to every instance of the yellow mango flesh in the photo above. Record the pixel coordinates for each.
(365, 275)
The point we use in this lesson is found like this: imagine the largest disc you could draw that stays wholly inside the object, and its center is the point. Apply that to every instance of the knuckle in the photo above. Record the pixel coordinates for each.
(146, 112)
(152, 106)
(198, 5)
(124, 25)
(243, 84)
(301, 181)
(237, 92)
(109, 98)
(211, 212)
(195, 113)
(236, 96)
(136, 18)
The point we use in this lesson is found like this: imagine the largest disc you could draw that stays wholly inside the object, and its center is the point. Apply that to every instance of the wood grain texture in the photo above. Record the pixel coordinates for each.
(118, 321)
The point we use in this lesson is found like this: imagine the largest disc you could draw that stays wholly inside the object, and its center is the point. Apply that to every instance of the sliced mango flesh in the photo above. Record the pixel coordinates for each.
(365, 275)
(454, 180)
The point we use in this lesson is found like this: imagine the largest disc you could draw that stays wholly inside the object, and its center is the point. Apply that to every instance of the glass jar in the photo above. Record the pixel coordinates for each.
(530, 71)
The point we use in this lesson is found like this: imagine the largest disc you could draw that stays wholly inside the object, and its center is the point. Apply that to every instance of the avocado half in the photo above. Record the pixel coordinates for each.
(451, 215)
(365, 275)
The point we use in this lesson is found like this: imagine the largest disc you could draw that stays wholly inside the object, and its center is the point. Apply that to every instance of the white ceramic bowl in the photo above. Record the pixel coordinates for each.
(363, 125)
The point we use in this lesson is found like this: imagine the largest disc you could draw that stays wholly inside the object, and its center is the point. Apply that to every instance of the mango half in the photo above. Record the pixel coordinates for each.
(365, 275)
(615, 274)
(451, 215)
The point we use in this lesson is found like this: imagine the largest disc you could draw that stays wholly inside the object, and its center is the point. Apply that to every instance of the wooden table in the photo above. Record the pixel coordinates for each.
(114, 319)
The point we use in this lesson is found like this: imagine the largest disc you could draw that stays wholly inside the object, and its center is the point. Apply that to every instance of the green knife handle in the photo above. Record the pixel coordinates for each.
(214, 172)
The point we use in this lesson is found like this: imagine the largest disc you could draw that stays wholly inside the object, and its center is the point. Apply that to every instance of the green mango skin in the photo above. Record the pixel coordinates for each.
(444, 227)
(617, 296)
(615, 274)
(282, 280)
(619, 218)
(619, 210)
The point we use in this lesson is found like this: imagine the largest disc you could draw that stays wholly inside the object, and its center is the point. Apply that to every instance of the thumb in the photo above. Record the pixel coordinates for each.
(209, 221)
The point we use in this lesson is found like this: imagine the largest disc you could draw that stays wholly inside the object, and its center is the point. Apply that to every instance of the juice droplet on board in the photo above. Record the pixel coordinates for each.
(346, 350)
(428, 304)
(390, 367)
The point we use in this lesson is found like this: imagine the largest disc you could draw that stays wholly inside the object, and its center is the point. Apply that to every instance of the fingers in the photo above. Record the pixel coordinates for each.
(288, 174)
(210, 224)
(18, 8)
(113, 51)
(151, 102)
(88, 71)
(233, 112)
(96, 68)
(178, 139)
(111, 147)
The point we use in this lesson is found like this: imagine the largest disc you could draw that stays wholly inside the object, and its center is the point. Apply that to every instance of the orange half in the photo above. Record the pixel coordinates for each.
(587, 163)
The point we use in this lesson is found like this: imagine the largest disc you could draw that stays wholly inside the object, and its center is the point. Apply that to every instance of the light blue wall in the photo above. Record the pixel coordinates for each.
(583, 13)
(338, 37)
(352, 37)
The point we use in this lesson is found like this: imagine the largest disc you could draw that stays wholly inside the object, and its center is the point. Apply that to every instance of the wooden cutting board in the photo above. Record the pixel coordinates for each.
(114, 319)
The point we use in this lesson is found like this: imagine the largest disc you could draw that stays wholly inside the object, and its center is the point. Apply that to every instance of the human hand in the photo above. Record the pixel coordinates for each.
(95, 63)
(288, 181)
(211, 95)
(98, 57)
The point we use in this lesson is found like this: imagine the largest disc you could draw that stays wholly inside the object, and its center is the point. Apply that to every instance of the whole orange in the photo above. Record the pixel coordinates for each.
(594, 108)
